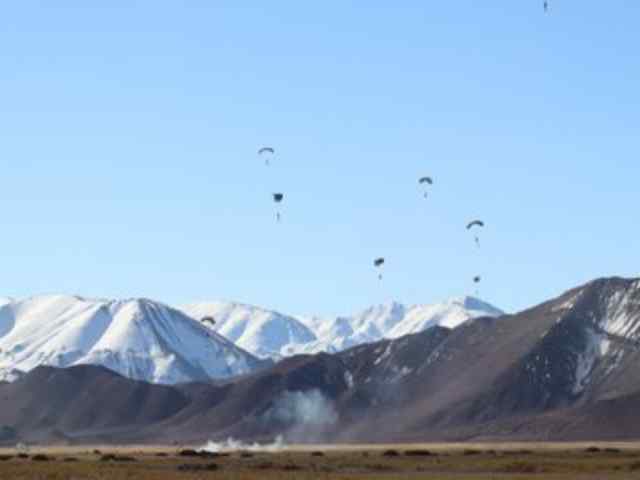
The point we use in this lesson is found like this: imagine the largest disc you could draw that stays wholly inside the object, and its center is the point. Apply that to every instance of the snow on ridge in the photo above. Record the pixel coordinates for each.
(148, 340)
(271, 334)
(622, 317)
(138, 338)
(264, 333)
(390, 320)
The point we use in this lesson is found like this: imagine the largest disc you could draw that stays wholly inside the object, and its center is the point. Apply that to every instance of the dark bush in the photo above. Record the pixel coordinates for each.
(188, 453)
(198, 467)
(418, 453)
(40, 458)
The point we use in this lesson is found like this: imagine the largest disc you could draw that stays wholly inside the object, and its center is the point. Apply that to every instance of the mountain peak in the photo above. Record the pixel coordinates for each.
(138, 338)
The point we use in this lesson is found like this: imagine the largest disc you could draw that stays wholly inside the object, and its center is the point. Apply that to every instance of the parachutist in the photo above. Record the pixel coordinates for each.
(427, 180)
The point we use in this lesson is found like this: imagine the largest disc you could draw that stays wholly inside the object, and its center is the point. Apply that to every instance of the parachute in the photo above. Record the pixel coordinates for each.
(277, 198)
(426, 181)
(378, 263)
(265, 150)
(475, 223)
(210, 320)
(477, 279)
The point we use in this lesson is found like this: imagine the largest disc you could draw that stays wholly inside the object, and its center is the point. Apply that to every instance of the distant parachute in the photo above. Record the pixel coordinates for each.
(477, 279)
(264, 151)
(475, 223)
(426, 181)
(210, 320)
(277, 198)
(378, 263)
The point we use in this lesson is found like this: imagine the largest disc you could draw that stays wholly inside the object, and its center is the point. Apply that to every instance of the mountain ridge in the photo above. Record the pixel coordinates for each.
(566, 369)
(140, 338)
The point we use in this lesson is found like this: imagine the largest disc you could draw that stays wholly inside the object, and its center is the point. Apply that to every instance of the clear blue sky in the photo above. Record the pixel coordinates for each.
(129, 130)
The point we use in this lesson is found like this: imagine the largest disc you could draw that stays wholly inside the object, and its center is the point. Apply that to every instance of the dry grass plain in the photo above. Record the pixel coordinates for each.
(432, 461)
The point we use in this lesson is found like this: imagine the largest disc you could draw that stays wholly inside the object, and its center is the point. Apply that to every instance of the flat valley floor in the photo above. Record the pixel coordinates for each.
(591, 461)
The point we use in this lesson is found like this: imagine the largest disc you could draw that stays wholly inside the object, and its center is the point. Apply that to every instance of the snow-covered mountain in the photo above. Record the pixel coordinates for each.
(269, 334)
(450, 314)
(391, 320)
(147, 340)
(138, 338)
(264, 333)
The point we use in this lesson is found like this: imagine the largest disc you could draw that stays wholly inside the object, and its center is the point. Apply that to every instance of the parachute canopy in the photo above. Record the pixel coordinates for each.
(475, 223)
(378, 262)
(428, 180)
(278, 197)
(266, 150)
(210, 320)
(477, 279)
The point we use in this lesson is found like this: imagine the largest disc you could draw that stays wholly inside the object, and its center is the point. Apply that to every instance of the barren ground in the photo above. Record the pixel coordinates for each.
(437, 461)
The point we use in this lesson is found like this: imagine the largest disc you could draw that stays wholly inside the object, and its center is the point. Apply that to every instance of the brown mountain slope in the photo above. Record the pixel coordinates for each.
(566, 369)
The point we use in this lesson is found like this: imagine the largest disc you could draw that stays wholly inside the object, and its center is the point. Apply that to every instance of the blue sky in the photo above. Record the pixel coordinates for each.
(129, 131)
